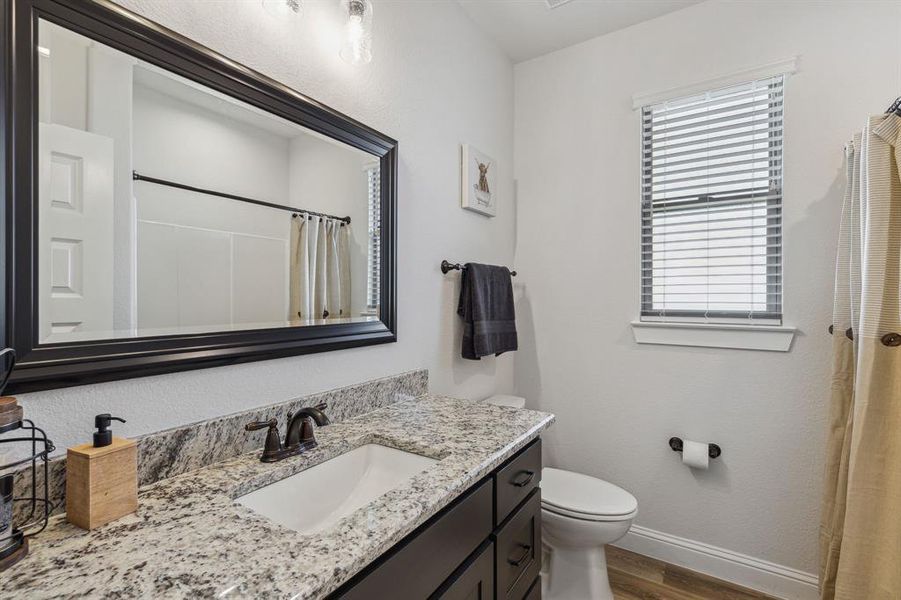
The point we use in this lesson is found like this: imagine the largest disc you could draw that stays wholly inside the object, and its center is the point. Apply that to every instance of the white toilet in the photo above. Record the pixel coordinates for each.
(579, 516)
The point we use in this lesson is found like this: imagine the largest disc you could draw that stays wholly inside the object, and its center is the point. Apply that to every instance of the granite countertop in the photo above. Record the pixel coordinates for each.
(190, 539)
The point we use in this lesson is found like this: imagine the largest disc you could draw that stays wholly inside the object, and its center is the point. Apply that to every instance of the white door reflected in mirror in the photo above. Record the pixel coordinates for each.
(76, 237)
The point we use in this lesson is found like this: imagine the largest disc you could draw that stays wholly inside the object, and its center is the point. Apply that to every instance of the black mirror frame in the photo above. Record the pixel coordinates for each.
(46, 366)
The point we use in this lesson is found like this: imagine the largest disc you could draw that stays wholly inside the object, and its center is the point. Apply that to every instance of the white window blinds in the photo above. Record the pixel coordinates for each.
(374, 262)
(711, 183)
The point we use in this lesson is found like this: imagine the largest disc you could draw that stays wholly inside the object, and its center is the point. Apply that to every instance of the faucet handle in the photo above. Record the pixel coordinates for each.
(254, 425)
(273, 445)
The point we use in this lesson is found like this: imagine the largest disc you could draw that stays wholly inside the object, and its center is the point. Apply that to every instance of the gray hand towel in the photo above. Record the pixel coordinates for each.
(486, 305)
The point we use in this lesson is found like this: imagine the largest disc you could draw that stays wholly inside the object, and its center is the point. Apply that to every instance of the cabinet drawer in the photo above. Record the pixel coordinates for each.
(518, 550)
(472, 581)
(421, 562)
(516, 480)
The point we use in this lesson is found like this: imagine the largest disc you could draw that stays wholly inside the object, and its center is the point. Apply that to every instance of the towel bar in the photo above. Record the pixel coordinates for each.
(448, 266)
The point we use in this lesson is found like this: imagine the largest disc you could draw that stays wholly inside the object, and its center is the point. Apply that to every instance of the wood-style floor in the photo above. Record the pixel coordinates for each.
(637, 577)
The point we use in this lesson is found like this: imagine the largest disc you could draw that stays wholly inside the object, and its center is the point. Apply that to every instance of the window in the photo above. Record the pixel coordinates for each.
(374, 263)
(711, 189)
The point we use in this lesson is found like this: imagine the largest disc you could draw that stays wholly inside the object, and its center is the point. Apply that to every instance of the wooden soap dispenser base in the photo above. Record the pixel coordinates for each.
(101, 478)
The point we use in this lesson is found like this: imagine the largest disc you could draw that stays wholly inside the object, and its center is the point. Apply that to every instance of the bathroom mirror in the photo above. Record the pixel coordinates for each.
(165, 207)
(182, 211)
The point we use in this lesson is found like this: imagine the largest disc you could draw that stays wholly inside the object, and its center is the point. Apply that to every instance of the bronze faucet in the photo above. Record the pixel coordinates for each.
(299, 437)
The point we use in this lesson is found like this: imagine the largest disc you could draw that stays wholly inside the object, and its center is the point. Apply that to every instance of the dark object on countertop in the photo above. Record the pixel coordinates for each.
(103, 436)
(14, 535)
(486, 306)
(299, 436)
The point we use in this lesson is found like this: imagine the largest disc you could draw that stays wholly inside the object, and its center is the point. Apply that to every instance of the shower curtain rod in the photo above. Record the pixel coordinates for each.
(297, 211)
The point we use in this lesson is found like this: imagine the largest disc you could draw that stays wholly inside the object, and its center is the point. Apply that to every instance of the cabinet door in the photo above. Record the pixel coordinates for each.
(473, 581)
(518, 549)
(418, 565)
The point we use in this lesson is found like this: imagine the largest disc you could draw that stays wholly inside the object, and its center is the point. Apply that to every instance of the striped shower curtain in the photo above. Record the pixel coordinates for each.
(860, 530)
(319, 268)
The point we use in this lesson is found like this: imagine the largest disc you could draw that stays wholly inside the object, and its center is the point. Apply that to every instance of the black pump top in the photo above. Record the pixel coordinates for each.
(104, 437)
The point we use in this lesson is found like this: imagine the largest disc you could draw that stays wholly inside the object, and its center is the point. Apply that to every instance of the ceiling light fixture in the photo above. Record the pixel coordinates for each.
(357, 46)
(283, 8)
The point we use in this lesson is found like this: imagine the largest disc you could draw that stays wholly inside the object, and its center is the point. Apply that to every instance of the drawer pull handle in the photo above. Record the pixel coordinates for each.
(526, 552)
(523, 482)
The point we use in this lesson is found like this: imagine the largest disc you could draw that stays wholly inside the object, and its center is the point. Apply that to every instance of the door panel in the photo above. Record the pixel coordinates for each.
(75, 241)
(473, 581)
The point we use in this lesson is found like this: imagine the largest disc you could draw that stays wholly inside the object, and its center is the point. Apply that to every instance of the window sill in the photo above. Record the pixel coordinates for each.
(740, 337)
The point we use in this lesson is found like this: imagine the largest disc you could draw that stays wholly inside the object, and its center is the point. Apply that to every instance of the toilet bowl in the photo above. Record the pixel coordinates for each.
(580, 515)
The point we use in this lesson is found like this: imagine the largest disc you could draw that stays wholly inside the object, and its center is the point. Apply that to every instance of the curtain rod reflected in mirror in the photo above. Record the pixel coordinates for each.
(297, 211)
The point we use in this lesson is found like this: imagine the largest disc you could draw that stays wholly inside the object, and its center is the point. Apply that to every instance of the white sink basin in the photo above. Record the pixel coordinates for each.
(317, 498)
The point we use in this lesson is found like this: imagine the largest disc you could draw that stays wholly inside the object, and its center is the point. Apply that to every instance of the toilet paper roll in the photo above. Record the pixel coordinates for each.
(696, 454)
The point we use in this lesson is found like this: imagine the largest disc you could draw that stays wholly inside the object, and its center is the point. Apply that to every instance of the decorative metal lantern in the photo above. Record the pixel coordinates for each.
(14, 537)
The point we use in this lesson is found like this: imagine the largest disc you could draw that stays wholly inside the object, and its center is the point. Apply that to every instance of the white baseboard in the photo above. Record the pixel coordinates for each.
(740, 569)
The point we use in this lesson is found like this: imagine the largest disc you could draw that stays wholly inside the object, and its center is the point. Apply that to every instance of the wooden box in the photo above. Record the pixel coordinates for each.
(101, 483)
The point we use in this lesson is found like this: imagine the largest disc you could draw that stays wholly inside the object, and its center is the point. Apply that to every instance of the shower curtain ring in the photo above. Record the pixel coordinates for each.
(891, 339)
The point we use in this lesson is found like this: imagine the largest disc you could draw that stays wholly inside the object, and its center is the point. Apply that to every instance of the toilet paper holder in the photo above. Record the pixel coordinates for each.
(713, 450)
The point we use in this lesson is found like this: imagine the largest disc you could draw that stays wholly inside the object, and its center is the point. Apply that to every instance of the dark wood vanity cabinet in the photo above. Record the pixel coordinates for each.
(486, 545)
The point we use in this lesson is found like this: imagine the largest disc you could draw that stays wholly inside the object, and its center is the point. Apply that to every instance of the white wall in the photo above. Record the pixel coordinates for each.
(435, 81)
(109, 100)
(577, 172)
(180, 141)
(202, 260)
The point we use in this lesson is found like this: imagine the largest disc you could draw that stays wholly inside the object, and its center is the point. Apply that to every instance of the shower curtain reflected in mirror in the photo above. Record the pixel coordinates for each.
(320, 268)
(860, 531)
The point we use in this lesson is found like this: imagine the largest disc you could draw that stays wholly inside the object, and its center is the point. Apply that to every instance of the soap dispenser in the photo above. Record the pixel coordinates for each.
(103, 436)
(102, 477)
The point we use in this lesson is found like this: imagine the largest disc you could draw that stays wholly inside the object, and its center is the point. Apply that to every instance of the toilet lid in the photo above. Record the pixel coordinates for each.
(576, 494)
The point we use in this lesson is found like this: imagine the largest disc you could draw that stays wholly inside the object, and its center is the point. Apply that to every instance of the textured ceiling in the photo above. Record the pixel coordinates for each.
(525, 29)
